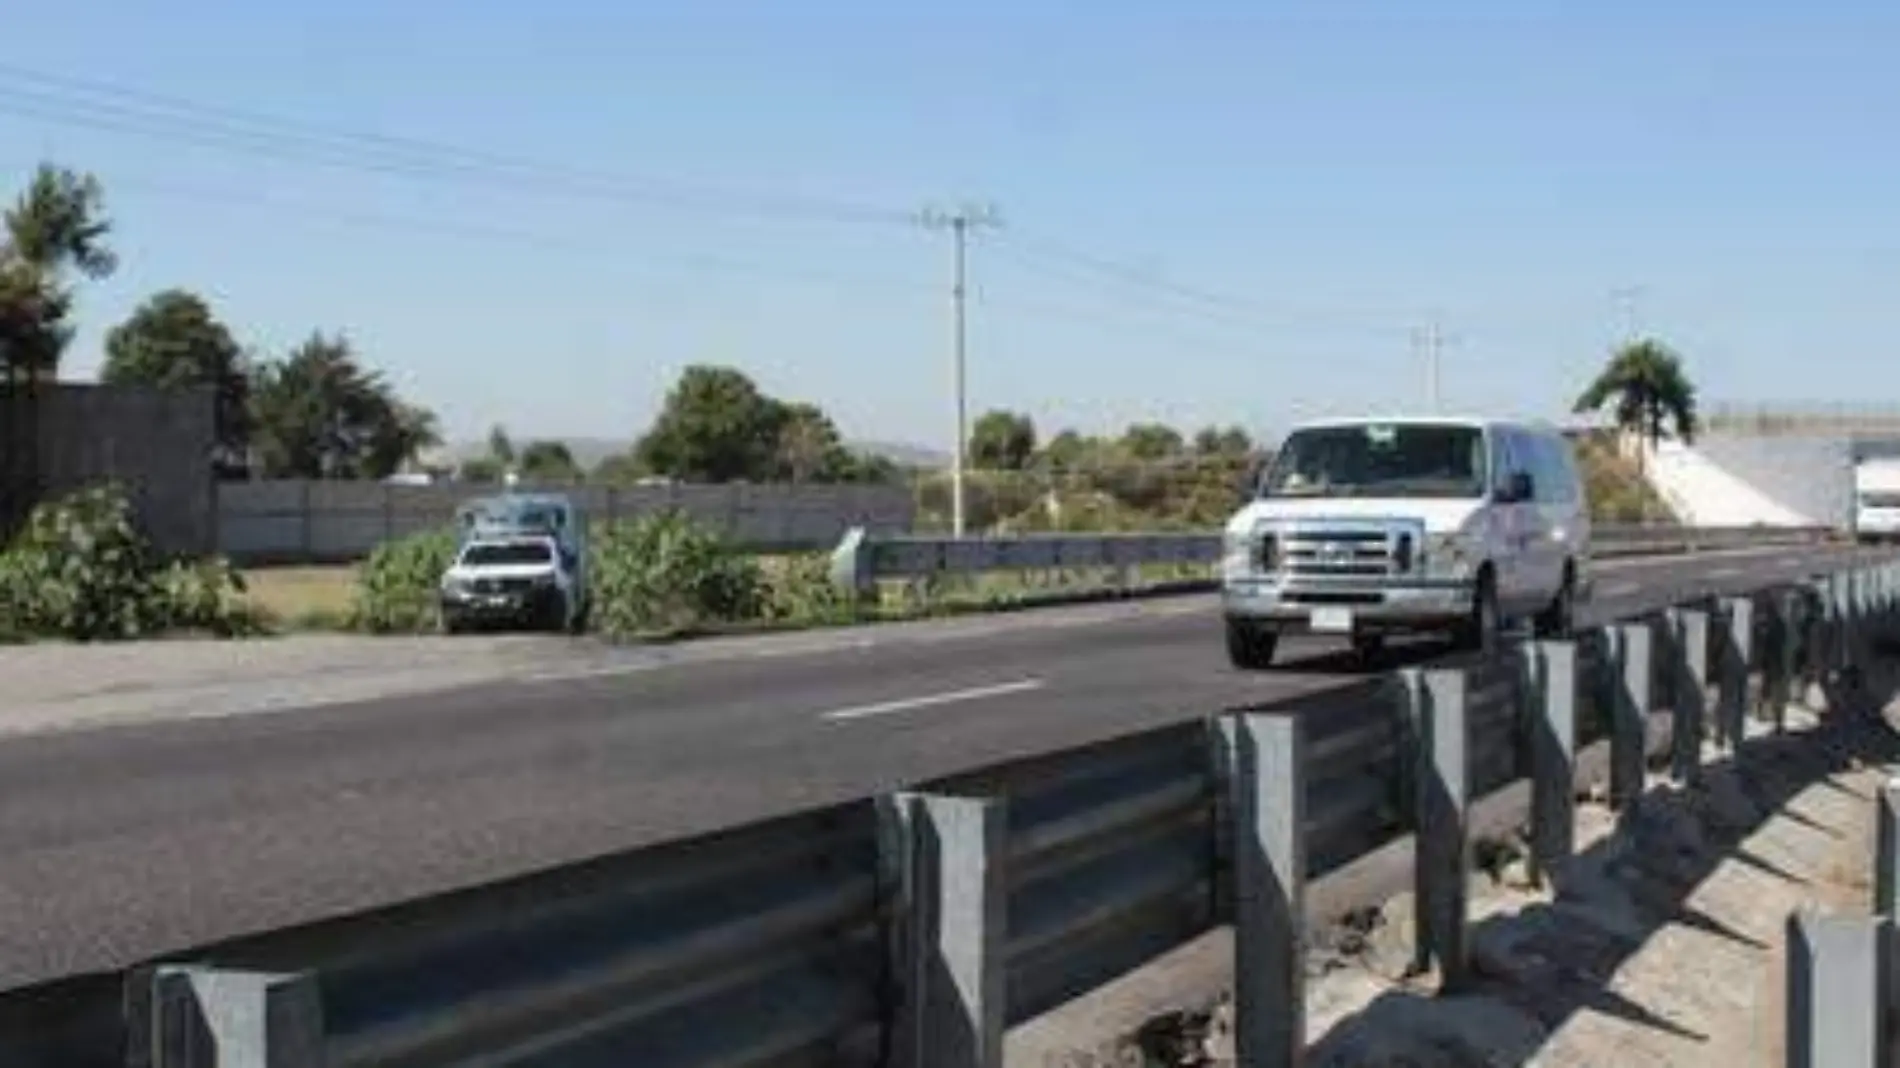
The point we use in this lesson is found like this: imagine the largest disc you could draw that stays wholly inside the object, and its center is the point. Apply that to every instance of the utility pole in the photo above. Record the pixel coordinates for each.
(1433, 341)
(959, 222)
(1626, 298)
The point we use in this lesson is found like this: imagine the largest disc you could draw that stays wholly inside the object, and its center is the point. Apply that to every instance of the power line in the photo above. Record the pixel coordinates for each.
(1053, 257)
(562, 243)
(101, 105)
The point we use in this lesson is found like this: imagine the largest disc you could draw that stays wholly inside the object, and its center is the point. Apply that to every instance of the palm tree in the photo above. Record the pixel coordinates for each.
(1651, 394)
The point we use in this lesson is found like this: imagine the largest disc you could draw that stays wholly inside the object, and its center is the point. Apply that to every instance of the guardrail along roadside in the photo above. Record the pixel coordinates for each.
(913, 929)
(864, 558)
(1843, 998)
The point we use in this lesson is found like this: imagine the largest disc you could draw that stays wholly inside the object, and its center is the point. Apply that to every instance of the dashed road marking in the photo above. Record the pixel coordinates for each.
(906, 704)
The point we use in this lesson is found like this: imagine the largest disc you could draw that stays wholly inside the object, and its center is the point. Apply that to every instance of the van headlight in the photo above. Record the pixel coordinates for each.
(1236, 557)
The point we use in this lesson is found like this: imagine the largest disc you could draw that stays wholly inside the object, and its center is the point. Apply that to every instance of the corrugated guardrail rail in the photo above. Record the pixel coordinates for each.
(910, 930)
(863, 558)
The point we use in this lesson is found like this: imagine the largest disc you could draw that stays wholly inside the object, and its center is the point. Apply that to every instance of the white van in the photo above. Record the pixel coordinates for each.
(1877, 500)
(1367, 527)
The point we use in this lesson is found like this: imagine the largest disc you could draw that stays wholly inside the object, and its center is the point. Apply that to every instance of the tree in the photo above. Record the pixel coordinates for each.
(1002, 441)
(318, 413)
(1152, 441)
(809, 447)
(714, 426)
(1216, 441)
(1652, 396)
(501, 448)
(548, 461)
(56, 228)
(173, 340)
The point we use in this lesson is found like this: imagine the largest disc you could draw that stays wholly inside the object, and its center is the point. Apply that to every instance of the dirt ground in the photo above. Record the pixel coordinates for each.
(297, 594)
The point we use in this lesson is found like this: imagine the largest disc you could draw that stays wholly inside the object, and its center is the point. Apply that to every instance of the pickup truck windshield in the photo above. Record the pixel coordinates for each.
(1379, 460)
(485, 554)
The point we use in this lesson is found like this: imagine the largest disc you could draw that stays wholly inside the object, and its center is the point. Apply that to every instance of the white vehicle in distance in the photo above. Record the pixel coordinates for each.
(1877, 500)
(512, 579)
(1368, 527)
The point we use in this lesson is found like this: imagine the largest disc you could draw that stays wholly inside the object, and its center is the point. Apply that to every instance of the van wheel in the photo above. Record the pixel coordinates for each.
(1559, 620)
(1249, 647)
(1479, 632)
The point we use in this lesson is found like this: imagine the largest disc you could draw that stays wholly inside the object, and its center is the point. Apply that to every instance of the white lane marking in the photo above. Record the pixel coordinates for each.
(1725, 572)
(1620, 589)
(905, 704)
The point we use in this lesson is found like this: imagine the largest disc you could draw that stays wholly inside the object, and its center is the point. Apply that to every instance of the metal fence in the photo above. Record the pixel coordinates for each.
(865, 557)
(912, 929)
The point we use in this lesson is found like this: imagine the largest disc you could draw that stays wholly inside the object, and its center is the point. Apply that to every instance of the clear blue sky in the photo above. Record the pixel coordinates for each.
(1324, 181)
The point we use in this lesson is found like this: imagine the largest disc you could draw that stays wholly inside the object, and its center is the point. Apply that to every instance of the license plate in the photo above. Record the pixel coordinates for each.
(1332, 620)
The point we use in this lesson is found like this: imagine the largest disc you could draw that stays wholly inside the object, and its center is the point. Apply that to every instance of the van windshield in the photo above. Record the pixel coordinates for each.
(1379, 460)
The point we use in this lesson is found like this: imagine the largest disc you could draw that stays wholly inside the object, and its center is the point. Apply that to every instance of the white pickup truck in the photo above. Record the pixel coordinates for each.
(1367, 527)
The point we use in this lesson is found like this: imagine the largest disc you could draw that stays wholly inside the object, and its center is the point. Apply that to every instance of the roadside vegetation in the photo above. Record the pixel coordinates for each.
(78, 568)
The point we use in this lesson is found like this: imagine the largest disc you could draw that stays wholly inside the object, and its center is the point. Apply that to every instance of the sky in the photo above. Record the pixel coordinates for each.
(1236, 213)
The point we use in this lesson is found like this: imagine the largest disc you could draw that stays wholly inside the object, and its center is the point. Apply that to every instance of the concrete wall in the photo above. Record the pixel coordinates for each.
(156, 444)
(1811, 474)
(298, 521)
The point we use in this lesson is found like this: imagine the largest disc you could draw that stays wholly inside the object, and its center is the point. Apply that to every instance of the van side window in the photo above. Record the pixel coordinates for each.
(1563, 471)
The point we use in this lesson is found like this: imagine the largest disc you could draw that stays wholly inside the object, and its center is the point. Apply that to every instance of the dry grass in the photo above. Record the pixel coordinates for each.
(300, 594)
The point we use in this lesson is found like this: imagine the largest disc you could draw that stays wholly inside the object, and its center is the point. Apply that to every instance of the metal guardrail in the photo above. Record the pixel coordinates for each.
(911, 930)
(864, 558)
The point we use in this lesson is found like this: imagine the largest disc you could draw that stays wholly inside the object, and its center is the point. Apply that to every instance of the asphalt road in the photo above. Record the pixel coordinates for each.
(118, 844)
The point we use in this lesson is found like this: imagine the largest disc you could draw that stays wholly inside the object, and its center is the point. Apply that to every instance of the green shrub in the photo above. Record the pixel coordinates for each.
(81, 569)
(396, 588)
(206, 595)
(666, 574)
(802, 591)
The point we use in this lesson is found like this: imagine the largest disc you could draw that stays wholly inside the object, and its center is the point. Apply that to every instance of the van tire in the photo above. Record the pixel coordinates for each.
(1479, 632)
(1559, 619)
(1249, 647)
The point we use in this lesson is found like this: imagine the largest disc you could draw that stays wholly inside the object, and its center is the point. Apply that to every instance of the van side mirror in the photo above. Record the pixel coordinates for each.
(1517, 487)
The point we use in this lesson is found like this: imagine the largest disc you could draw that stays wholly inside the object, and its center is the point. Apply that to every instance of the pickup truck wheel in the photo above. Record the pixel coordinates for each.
(1249, 647)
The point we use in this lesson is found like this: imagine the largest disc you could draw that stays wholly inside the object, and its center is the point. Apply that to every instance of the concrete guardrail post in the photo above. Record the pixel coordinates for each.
(1268, 801)
(1738, 640)
(1887, 851)
(950, 859)
(1438, 716)
(1551, 674)
(1689, 665)
(1633, 675)
(851, 570)
(203, 1017)
(1837, 990)
(1780, 658)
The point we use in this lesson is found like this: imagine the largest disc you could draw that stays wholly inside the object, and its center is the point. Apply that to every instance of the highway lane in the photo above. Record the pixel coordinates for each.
(122, 843)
